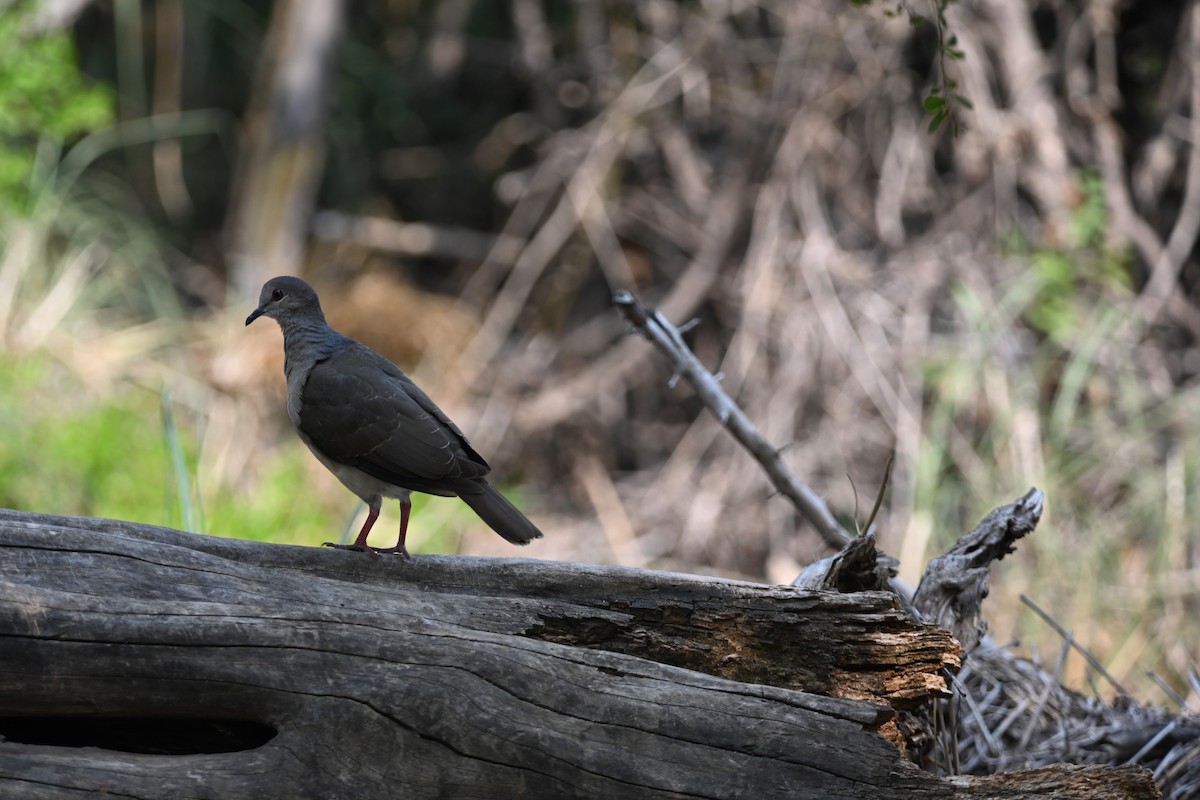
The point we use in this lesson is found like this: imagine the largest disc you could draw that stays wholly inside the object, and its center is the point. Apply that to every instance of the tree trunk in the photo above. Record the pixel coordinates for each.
(151, 663)
(282, 152)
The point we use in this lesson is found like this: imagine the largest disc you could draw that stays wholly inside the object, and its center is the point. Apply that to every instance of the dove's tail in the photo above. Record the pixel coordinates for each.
(501, 515)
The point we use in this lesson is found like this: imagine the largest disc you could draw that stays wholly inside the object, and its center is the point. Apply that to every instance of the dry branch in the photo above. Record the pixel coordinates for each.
(416, 238)
(666, 337)
(1008, 713)
(1011, 714)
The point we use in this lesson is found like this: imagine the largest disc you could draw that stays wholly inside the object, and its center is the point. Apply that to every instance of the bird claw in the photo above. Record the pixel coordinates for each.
(399, 550)
(374, 552)
(371, 551)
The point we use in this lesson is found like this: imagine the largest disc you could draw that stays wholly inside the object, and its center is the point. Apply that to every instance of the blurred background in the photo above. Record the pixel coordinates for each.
(967, 243)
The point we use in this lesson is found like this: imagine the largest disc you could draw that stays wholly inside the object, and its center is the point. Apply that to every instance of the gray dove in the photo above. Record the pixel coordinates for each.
(371, 426)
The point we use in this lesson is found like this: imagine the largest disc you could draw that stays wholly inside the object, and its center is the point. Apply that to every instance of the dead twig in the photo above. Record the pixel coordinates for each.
(1164, 274)
(883, 486)
(665, 336)
(419, 239)
(1093, 662)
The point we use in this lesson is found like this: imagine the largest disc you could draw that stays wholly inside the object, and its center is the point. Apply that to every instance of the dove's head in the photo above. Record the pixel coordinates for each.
(286, 299)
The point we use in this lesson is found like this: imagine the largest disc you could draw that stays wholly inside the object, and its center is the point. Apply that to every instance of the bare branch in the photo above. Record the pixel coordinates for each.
(665, 336)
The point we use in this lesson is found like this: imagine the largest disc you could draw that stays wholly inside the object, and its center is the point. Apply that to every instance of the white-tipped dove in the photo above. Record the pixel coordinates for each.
(365, 420)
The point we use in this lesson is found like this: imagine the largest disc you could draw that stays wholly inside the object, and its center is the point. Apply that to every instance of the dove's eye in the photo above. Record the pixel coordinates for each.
(277, 294)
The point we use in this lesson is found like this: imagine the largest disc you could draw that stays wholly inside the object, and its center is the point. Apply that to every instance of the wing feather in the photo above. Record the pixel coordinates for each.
(362, 410)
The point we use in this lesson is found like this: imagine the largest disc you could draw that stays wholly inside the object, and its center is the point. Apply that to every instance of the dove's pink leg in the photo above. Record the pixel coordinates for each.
(361, 542)
(405, 508)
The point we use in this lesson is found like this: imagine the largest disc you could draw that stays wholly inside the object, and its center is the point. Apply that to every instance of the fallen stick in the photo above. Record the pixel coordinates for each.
(667, 338)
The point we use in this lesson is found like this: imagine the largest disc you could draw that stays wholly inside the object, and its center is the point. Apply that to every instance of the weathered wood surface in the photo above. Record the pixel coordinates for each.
(441, 677)
(954, 585)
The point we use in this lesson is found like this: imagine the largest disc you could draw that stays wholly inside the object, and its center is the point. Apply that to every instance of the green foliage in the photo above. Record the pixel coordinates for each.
(1090, 220)
(1068, 281)
(66, 450)
(62, 453)
(937, 103)
(44, 102)
(1053, 309)
(279, 507)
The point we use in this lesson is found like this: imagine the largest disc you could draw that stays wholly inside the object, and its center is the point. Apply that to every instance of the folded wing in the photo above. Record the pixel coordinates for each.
(363, 411)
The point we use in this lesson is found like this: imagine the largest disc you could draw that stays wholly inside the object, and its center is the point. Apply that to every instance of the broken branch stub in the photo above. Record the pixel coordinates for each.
(952, 590)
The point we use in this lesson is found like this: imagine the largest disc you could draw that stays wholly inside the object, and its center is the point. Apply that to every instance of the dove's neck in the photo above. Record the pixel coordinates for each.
(307, 340)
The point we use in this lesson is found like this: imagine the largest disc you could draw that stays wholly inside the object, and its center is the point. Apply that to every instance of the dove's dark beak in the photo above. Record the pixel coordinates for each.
(255, 314)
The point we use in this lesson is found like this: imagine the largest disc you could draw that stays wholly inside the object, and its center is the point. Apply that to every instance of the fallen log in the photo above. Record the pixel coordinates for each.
(147, 662)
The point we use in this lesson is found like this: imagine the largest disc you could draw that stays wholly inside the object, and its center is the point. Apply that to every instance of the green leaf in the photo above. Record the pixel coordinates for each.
(934, 103)
(44, 97)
